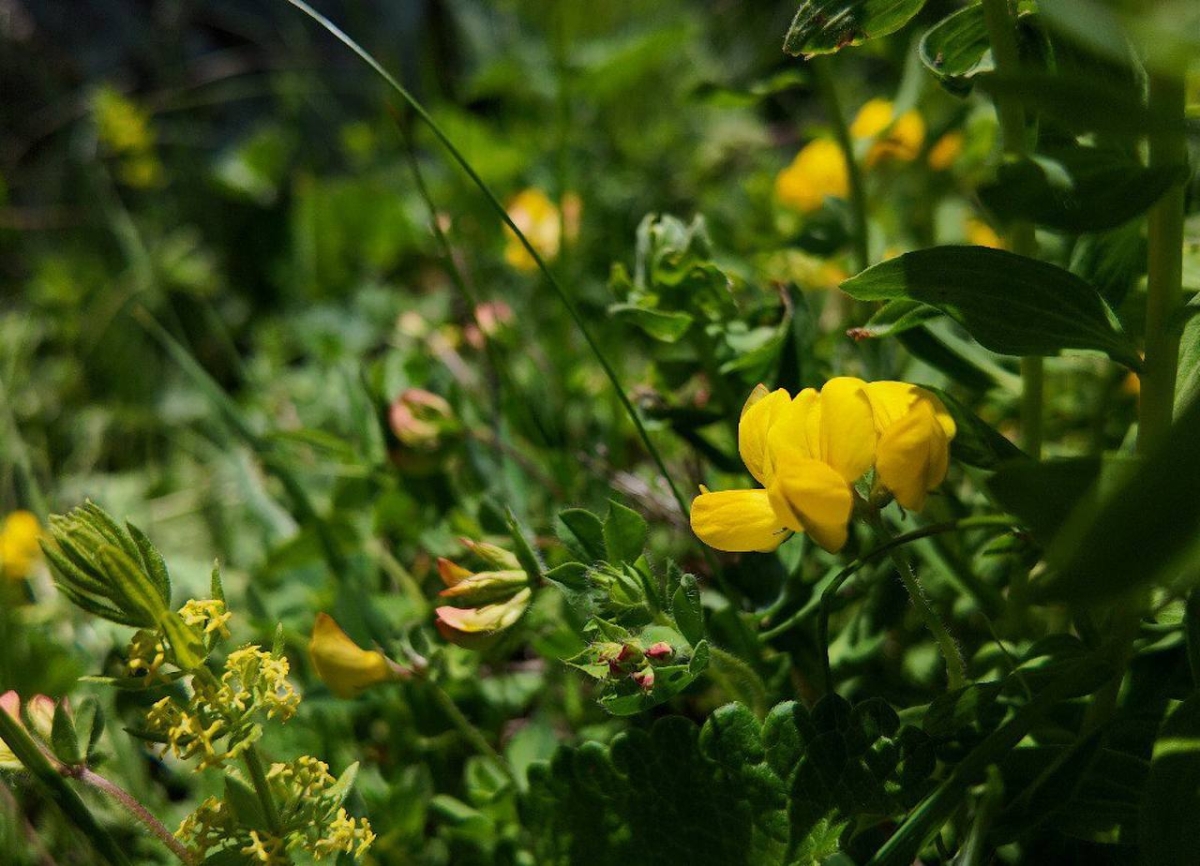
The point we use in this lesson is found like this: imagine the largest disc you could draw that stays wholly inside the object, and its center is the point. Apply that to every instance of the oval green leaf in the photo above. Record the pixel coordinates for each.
(1011, 304)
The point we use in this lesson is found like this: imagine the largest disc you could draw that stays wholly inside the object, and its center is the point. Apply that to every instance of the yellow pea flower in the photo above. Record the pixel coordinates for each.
(808, 452)
(342, 664)
(818, 171)
(477, 627)
(914, 432)
(981, 234)
(946, 150)
(19, 549)
(904, 134)
(540, 221)
(40, 710)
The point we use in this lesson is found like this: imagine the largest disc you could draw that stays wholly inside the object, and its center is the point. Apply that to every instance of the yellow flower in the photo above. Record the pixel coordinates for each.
(808, 452)
(981, 234)
(476, 627)
(540, 221)
(946, 150)
(904, 134)
(342, 664)
(40, 710)
(819, 170)
(19, 549)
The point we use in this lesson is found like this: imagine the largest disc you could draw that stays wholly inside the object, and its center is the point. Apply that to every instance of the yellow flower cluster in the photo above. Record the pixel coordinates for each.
(819, 169)
(254, 680)
(311, 816)
(808, 453)
(207, 614)
(19, 550)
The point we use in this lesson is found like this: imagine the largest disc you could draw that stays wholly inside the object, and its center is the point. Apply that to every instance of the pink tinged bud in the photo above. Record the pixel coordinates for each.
(661, 650)
(476, 627)
(644, 678)
(493, 555)
(10, 702)
(40, 710)
(451, 573)
(418, 418)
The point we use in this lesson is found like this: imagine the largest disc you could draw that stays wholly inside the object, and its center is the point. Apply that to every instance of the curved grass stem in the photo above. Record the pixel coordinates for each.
(609, 371)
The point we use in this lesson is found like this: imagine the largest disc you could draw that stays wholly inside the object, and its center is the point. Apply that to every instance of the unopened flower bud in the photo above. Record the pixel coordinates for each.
(486, 587)
(420, 418)
(477, 627)
(343, 665)
(661, 650)
(493, 555)
(644, 678)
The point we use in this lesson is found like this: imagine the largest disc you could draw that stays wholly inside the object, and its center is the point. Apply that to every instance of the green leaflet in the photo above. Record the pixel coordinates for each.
(1009, 303)
(826, 26)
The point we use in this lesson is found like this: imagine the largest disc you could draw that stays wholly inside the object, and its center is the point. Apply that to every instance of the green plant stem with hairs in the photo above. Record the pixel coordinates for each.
(1002, 34)
(823, 78)
(577, 317)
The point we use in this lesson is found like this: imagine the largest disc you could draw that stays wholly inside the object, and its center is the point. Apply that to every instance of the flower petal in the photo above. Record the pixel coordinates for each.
(914, 453)
(342, 664)
(812, 497)
(891, 400)
(737, 521)
(759, 413)
(798, 426)
(847, 427)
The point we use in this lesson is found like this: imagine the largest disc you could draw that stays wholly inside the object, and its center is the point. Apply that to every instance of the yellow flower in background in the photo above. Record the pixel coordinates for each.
(809, 451)
(904, 134)
(981, 234)
(343, 665)
(124, 129)
(946, 150)
(19, 550)
(818, 171)
(540, 221)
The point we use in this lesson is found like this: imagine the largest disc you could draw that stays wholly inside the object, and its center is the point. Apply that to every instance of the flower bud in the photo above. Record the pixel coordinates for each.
(644, 678)
(420, 418)
(659, 651)
(343, 665)
(10, 702)
(486, 587)
(477, 627)
(493, 555)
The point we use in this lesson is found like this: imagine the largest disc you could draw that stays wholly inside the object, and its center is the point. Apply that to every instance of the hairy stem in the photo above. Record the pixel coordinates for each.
(134, 808)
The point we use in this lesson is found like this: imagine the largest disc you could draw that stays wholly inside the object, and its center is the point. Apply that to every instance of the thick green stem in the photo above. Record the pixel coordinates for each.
(823, 78)
(258, 777)
(1002, 33)
(1164, 293)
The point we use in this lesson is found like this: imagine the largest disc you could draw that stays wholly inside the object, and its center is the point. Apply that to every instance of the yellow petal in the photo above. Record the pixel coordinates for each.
(847, 427)
(798, 426)
(341, 663)
(819, 170)
(873, 118)
(759, 413)
(478, 627)
(812, 497)
(914, 453)
(737, 521)
(892, 400)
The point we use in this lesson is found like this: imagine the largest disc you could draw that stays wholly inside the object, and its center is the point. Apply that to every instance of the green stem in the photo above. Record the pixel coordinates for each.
(823, 78)
(496, 205)
(1002, 33)
(39, 765)
(1164, 292)
(258, 777)
(470, 733)
(134, 808)
(956, 672)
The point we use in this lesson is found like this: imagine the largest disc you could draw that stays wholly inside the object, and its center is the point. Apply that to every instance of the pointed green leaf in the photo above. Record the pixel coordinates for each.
(1168, 830)
(957, 47)
(245, 804)
(583, 532)
(662, 325)
(63, 739)
(153, 562)
(825, 26)
(1009, 303)
(687, 611)
(625, 533)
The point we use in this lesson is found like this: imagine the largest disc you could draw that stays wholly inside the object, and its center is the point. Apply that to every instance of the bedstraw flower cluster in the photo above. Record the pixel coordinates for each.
(809, 452)
(311, 819)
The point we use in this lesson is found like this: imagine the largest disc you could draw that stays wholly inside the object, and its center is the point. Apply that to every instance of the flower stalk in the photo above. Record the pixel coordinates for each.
(1002, 33)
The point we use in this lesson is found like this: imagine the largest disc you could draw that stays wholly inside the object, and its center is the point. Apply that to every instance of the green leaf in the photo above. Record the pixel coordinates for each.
(1043, 494)
(1081, 104)
(937, 353)
(1136, 533)
(625, 533)
(1187, 386)
(1009, 303)
(245, 804)
(1111, 261)
(89, 725)
(583, 532)
(523, 550)
(153, 562)
(661, 325)
(135, 591)
(687, 610)
(976, 443)
(1168, 830)
(1077, 189)
(189, 648)
(340, 790)
(63, 739)
(894, 317)
(826, 26)
(957, 47)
